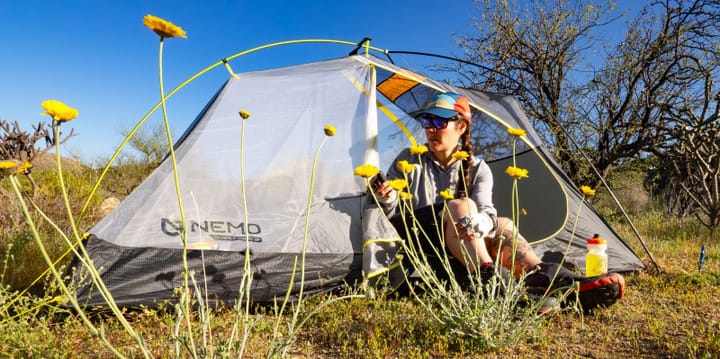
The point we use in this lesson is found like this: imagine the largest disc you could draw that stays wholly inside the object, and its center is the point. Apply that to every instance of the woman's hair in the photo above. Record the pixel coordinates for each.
(465, 145)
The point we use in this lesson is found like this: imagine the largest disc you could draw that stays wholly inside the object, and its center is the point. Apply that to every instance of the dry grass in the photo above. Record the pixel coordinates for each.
(672, 314)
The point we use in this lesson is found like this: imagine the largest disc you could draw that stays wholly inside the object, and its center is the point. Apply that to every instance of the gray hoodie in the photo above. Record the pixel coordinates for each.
(429, 178)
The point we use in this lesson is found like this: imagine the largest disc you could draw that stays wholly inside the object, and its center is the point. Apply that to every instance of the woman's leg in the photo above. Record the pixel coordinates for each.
(462, 245)
(524, 259)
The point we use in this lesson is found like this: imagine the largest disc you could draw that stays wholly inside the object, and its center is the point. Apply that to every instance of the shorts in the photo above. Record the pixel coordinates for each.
(429, 238)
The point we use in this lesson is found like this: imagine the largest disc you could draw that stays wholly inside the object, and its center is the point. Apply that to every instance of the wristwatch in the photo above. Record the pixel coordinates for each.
(467, 222)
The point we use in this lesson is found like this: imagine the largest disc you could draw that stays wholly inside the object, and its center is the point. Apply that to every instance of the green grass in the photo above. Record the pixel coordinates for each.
(672, 313)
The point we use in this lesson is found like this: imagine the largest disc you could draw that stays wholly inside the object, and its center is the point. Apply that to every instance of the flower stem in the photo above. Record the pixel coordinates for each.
(58, 277)
(184, 298)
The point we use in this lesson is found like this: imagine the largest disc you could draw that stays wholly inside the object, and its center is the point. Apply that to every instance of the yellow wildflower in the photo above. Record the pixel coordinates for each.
(8, 164)
(7, 167)
(398, 183)
(517, 132)
(59, 111)
(405, 196)
(162, 27)
(366, 170)
(24, 168)
(517, 172)
(586, 190)
(244, 114)
(418, 150)
(447, 194)
(405, 166)
(330, 130)
(461, 155)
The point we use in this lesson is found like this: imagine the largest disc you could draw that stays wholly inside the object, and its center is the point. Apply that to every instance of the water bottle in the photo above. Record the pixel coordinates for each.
(596, 260)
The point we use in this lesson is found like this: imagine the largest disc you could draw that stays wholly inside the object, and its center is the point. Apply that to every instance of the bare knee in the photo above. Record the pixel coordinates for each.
(459, 207)
(454, 209)
(506, 227)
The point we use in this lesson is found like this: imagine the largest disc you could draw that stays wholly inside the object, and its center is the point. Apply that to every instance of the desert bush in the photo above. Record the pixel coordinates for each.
(125, 174)
(629, 184)
(26, 263)
(148, 149)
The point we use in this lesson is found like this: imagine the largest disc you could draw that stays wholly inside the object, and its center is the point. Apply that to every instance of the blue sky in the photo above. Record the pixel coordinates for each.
(97, 57)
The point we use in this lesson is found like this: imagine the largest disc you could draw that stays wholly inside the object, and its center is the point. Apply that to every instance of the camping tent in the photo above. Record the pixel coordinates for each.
(248, 183)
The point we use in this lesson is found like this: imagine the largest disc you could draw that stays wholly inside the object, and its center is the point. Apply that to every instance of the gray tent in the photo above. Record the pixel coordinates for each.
(138, 248)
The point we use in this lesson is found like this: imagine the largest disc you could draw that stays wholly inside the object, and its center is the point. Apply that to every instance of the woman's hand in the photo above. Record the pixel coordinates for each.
(384, 190)
(464, 232)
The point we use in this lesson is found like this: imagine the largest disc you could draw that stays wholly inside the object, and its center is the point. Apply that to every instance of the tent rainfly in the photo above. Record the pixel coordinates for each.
(258, 195)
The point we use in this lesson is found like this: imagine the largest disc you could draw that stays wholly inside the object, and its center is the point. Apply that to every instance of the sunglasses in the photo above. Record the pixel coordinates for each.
(432, 121)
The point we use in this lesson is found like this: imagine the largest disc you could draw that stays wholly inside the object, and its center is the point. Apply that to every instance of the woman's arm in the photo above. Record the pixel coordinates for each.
(481, 191)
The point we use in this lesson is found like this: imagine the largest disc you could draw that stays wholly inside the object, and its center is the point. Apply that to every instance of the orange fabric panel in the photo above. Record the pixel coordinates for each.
(395, 85)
